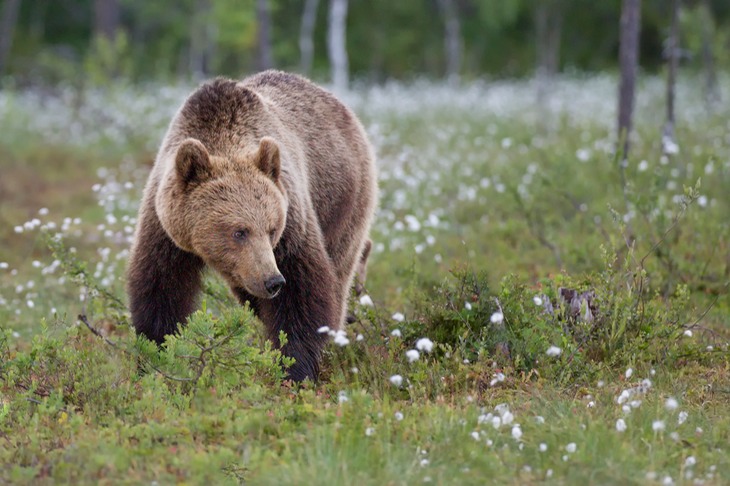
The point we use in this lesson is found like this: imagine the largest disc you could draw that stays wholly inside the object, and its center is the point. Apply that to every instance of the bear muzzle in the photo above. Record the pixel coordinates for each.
(274, 285)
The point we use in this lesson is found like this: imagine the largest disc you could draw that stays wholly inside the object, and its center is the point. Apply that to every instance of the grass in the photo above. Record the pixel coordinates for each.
(490, 206)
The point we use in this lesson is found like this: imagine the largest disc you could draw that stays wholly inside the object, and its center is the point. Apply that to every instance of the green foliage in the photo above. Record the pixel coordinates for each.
(55, 44)
(499, 207)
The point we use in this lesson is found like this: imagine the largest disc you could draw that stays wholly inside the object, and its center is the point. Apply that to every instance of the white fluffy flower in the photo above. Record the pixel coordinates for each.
(682, 417)
(397, 380)
(571, 447)
(398, 317)
(395, 333)
(412, 355)
(671, 404)
(553, 351)
(370, 431)
(366, 301)
(658, 425)
(516, 432)
(542, 447)
(537, 300)
(424, 344)
(497, 318)
(341, 338)
(629, 372)
(323, 330)
(475, 435)
(398, 416)
(620, 425)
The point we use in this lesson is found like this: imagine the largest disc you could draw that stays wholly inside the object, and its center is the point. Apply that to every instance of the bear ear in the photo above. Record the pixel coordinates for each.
(267, 158)
(192, 162)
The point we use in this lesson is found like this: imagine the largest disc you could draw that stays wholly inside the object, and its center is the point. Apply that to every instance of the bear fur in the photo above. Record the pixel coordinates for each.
(271, 182)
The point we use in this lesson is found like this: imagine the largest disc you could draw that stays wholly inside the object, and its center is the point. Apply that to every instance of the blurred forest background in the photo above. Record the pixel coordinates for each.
(93, 41)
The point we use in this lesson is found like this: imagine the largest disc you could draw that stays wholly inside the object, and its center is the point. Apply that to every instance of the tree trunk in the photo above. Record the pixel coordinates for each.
(548, 32)
(106, 18)
(452, 40)
(263, 15)
(712, 93)
(201, 40)
(669, 146)
(306, 36)
(7, 29)
(629, 61)
(336, 44)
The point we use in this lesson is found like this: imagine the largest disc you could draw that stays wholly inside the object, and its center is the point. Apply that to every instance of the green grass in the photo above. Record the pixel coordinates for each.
(490, 206)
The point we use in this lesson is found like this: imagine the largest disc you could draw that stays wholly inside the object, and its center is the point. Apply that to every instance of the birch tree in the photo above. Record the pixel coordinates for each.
(264, 59)
(306, 35)
(629, 61)
(452, 40)
(336, 44)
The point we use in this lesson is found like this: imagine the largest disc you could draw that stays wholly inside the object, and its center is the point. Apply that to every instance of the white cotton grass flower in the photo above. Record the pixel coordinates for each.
(542, 447)
(370, 431)
(507, 417)
(553, 351)
(398, 317)
(475, 435)
(628, 373)
(516, 432)
(467, 305)
(424, 344)
(621, 425)
(496, 422)
(396, 380)
(571, 448)
(366, 301)
(395, 333)
(497, 318)
(341, 338)
(398, 416)
(498, 378)
(690, 461)
(342, 397)
(671, 404)
(682, 417)
(688, 333)
(412, 355)
(537, 300)
(658, 425)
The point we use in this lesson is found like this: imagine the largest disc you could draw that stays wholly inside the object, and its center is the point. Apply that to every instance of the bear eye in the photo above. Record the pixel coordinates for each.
(240, 234)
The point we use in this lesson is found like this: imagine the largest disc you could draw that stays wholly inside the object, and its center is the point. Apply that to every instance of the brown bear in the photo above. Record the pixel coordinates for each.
(271, 182)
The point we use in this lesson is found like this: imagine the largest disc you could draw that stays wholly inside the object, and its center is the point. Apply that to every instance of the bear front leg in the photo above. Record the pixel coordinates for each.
(163, 281)
(307, 302)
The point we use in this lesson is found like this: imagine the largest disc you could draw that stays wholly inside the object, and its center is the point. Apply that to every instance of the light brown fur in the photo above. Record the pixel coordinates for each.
(280, 162)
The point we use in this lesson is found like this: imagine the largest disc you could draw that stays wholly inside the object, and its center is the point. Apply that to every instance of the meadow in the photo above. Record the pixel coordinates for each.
(536, 311)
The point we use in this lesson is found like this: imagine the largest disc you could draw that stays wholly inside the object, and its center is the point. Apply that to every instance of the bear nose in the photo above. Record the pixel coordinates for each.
(274, 285)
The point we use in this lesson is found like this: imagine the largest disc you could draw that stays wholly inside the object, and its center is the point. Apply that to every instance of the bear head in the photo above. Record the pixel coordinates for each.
(229, 211)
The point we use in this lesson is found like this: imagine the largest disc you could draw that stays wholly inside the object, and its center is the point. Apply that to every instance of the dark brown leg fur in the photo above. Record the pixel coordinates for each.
(306, 303)
(163, 281)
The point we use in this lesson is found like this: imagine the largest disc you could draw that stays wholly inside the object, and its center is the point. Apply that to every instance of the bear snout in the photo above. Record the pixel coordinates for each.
(274, 284)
